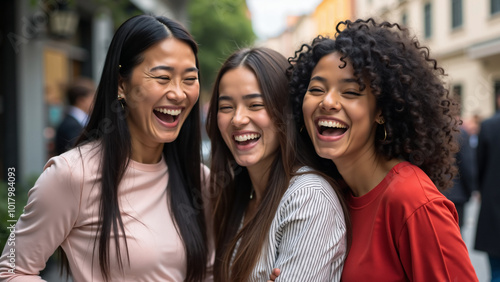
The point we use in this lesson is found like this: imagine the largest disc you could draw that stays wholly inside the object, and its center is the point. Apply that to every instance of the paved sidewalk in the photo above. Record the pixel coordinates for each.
(479, 259)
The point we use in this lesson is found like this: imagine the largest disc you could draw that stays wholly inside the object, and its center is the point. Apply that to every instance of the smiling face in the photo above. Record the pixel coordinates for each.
(160, 93)
(340, 119)
(243, 120)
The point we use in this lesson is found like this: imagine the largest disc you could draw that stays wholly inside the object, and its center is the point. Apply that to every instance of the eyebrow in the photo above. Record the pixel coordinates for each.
(167, 68)
(345, 80)
(246, 97)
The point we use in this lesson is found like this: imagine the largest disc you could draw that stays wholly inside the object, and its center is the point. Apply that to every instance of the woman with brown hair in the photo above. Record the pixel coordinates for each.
(271, 209)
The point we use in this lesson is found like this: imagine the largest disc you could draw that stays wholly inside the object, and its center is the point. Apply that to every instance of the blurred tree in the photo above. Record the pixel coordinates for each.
(120, 10)
(220, 27)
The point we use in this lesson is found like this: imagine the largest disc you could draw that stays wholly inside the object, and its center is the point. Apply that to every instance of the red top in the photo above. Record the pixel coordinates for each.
(406, 230)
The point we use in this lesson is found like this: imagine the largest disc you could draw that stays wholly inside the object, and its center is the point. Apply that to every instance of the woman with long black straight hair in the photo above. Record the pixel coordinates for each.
(125, 204)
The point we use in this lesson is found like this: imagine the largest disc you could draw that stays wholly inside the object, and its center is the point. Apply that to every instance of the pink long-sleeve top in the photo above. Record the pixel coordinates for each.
(63, 209)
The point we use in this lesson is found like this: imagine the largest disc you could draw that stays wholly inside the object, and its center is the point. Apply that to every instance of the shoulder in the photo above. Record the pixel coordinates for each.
(492, 122)
(85, 156)
(75, 165)
(308, 181)
(64, 176)
(410, 188)
(309, 188)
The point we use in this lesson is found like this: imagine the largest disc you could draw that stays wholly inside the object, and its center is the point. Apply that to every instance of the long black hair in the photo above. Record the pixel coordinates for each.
(108, 125)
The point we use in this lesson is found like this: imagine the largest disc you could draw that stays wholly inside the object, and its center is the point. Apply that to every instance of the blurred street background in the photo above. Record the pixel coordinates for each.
(45, 45)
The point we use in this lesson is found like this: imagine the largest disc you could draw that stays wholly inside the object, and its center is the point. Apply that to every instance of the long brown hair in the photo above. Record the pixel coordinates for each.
(230, 182)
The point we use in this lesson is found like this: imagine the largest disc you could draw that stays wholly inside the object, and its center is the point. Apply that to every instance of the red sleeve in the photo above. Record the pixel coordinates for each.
(431, 247)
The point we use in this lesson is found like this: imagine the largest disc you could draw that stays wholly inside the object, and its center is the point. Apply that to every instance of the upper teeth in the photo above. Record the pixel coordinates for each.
(331, 123)
(245, 137)
(169, 111)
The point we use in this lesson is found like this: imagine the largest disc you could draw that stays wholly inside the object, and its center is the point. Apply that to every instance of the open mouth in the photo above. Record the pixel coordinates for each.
(245, 139)
(331, 128)
(167, 115)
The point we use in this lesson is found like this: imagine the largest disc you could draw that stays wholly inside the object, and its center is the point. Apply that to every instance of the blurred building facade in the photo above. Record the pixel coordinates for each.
(464, 37)
(302, 29)
(45, 45)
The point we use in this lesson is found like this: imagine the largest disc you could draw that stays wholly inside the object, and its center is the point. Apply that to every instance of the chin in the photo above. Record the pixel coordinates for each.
(169, 138)
(325, 154)
(243, 162)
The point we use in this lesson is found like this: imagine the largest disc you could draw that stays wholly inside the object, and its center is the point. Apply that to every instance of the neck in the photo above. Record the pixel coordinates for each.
(259, 177)
(146, 154)
(364, 173)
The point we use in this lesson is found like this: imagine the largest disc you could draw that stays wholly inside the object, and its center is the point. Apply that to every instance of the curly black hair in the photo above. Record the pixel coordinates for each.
(419, 115)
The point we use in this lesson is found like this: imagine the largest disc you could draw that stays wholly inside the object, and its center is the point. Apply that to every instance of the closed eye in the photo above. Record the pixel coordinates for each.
(315, 91)
(162, 79)
(352, 93)
(225, 108)
(256, 106)
(190, 80)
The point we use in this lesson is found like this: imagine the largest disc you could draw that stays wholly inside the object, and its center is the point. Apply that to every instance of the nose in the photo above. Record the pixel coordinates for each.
(331, 101)
(175, 92)
(240, 117)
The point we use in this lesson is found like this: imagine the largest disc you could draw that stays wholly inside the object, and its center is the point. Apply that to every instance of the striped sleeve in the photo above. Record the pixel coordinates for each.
(311, 232)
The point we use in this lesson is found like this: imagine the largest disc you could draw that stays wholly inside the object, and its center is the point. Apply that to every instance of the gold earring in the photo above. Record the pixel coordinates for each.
(301, 128)
(381, 120)
(120, 98)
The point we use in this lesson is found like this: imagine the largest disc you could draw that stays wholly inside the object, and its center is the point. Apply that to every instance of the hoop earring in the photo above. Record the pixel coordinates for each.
(381, 121)
(120, 100)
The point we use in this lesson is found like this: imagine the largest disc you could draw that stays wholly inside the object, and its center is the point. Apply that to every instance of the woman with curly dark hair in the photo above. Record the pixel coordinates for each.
(373, 102)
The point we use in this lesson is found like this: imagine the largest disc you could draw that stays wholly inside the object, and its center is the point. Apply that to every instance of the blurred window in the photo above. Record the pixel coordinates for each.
(456, 14)
(428, 20)
(495, 7)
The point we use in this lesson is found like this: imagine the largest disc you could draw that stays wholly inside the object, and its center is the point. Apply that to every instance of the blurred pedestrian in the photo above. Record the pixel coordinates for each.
(488, 165)
(465, 181)
(80, 95)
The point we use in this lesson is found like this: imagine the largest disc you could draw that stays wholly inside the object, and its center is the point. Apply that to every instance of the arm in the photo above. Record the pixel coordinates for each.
(48, 217)
(312, 229)
(430, 245)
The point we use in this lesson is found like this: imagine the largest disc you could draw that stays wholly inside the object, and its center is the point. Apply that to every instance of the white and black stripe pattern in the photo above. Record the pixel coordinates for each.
(307, 238)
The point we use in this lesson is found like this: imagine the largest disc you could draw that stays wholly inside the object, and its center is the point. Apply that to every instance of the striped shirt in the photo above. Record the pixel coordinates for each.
(307, 238)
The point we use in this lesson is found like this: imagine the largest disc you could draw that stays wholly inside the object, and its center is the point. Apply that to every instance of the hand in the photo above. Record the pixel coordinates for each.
(274, 274)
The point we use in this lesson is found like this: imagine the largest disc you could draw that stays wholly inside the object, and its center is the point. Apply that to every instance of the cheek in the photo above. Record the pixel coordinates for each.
(222, 122)
(308, 107)
(193, 93)
(139, 97)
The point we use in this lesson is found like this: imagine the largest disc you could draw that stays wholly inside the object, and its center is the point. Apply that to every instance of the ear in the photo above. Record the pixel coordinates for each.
(122, 86)
(379, 118)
